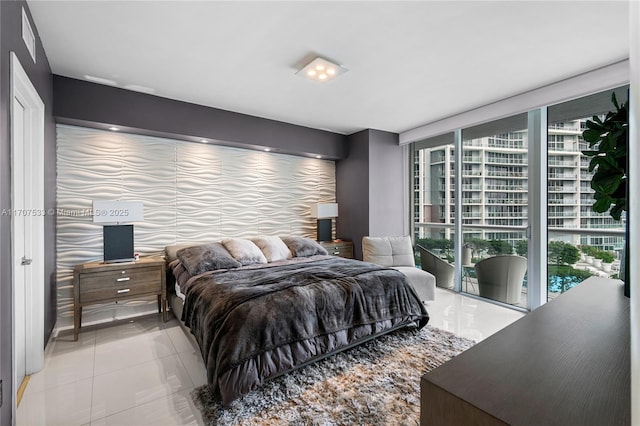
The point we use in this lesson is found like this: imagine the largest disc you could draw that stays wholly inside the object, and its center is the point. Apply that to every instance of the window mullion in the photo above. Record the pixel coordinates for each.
(537, 206)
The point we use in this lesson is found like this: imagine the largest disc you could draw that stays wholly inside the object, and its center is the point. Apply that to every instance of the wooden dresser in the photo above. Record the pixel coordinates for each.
(566, 363)
(340, 248)
(99, 282)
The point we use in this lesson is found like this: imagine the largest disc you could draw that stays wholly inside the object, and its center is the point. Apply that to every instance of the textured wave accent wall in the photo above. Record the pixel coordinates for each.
(191, 192)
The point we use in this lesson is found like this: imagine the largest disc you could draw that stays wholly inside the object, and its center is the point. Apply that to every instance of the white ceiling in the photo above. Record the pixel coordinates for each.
(410, 63)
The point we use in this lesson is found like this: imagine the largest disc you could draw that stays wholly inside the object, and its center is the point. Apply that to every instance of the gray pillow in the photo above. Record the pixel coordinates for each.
(303, 247)
(207, 257)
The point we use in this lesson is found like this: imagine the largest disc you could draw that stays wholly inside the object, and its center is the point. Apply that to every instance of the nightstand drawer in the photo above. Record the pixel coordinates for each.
(119, 283)
(119, 278)
(117, 292)
(341, 249)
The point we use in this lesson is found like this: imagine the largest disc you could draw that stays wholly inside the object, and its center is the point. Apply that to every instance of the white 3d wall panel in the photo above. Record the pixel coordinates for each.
(191, 193)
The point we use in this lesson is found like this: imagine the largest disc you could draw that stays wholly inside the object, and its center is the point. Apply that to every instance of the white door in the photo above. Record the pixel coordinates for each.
(27, 237)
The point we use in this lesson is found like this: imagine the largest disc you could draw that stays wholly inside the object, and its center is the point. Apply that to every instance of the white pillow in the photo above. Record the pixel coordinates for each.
(388, 251)
(244, 251)
(273, 248)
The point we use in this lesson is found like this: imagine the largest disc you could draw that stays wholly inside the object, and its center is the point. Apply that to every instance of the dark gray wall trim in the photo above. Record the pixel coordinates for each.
(40, 75)
(87, 104)
(352, 192)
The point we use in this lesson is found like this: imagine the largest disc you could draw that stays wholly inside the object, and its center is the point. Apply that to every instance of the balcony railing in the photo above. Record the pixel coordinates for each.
(506, 188)
(566, 202)
(563, 163)
(505, 160)
(507, 201)
(567, 176)
(499, 173)
(561, 214)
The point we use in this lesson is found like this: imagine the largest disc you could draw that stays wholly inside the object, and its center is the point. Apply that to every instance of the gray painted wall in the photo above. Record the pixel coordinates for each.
(76, 103)
(40, 75)
(386, 185)
(370, 188)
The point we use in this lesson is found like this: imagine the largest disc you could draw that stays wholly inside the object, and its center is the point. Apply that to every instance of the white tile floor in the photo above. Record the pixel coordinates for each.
(140, 371)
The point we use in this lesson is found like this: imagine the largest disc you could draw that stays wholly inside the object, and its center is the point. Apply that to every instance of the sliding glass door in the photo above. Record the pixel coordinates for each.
(494, 210)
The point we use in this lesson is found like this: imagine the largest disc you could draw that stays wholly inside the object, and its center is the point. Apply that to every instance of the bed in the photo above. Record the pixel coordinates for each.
(269, 307)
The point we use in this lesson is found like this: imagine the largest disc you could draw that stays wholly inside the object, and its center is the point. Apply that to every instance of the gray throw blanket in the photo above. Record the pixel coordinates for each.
(256, 324)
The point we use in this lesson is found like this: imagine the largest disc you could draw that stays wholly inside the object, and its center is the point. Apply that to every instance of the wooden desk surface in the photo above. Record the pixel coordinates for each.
(566, 363)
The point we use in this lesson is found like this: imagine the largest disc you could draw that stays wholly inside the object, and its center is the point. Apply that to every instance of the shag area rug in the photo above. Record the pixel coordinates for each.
(377, 383)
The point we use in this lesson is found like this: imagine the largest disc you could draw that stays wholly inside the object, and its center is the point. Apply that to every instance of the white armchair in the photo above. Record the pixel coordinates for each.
(397, 253)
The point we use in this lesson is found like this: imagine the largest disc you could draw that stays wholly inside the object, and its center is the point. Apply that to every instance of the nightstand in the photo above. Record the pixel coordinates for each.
(99, 282)
(341, 249)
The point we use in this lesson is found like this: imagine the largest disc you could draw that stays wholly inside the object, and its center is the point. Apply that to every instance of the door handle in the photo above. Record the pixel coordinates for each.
(124, 290)
(123, 279)
(26, 261)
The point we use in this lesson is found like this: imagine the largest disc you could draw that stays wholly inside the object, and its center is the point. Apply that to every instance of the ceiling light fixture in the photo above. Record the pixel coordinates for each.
(114, 128)
(321, 69)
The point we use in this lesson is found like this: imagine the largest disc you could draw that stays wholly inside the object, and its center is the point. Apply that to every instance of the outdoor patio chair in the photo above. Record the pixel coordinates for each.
(437, 266)
(500, 277)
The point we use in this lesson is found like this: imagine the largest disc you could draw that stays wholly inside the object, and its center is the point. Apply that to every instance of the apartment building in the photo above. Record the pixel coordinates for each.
(495, 190)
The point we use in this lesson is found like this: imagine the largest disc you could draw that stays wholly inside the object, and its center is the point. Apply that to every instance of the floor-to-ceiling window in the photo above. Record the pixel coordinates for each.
(582, 242)
(489, 184)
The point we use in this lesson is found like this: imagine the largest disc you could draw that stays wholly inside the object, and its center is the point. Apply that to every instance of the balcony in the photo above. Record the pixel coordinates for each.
(563, 201)
(520, 188)
(567, 188)
(553, 214)
(562, 176)
(472, 159)
(506, 201)
(562, 163)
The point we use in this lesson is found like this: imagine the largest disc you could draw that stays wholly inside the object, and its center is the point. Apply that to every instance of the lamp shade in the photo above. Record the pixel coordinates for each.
(107, 211)
(324, 210)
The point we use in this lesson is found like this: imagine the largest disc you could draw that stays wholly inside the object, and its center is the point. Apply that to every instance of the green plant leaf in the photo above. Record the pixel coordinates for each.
(591, 135)
(616, 211)
(614, 100)
(606, 183)
(602, 205)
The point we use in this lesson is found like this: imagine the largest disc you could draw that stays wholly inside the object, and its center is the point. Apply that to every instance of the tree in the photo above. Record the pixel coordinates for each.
(561, 253)
(561, 256)
(435, 244)
(499, 247)
(522, 247)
